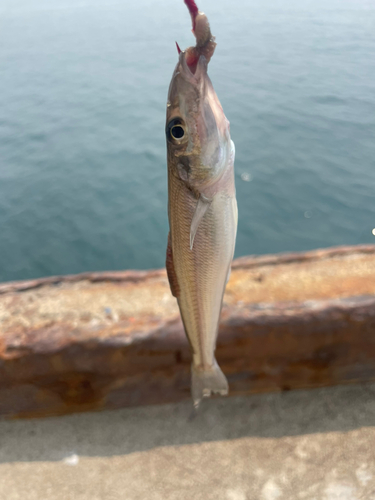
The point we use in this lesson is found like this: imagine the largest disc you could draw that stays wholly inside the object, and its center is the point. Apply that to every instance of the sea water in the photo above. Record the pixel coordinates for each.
(83, 86)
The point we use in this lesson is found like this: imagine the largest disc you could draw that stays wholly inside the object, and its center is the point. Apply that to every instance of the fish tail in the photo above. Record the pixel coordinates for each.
(205, 381)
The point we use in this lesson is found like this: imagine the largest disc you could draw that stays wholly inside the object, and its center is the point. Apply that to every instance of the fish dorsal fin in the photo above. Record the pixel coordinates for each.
(172, 278)
(200, 210)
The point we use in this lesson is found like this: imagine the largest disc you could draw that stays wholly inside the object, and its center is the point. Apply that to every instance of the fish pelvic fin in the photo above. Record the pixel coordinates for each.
(201, 208)
(207, 381)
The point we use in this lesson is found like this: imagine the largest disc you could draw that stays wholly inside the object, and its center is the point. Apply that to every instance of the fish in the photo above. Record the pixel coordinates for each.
(202, 206)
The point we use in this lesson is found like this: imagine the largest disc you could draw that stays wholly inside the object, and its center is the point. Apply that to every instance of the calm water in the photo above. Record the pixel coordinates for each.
(82, 105)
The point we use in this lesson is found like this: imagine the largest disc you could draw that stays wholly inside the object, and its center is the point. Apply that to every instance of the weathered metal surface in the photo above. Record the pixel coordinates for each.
(113, 339)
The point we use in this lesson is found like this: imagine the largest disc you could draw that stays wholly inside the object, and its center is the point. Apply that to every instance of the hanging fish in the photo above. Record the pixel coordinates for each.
(202, 207)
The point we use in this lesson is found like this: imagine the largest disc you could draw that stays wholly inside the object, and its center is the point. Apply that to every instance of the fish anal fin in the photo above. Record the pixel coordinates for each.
(228, 275)
(172, 278)
(200, 210)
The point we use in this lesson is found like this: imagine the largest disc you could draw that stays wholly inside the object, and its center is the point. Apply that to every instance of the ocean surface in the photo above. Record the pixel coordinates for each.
(83, 88)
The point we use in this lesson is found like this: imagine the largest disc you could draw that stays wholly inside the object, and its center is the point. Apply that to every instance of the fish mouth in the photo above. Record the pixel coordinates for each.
(193, 72)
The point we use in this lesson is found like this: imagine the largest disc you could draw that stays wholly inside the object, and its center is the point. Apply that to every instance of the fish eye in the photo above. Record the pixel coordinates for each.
(176, 130)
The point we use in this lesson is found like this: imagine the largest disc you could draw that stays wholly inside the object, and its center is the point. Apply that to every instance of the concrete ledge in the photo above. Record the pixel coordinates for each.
(114, 339)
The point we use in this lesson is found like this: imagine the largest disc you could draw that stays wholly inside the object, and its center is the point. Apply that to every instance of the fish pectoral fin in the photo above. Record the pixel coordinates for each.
(201, 209)
(172, 278)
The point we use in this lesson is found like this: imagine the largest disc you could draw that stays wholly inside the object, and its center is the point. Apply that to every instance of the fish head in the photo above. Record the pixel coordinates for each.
(197, 131)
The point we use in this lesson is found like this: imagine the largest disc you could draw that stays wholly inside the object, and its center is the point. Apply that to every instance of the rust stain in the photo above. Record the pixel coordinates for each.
(106, 340)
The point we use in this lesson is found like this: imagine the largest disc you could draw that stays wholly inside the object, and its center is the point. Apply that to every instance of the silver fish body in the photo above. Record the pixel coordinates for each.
(202, 210)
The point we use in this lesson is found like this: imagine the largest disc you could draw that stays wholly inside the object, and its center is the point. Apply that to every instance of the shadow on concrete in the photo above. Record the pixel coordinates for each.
(120, 432)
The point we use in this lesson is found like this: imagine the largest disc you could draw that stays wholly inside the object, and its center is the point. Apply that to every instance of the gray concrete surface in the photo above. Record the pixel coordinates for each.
(317, 444)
